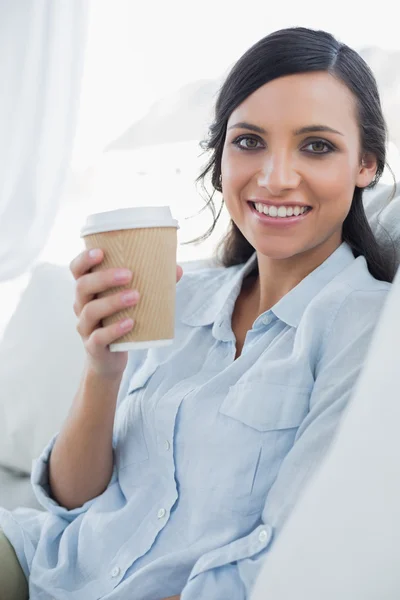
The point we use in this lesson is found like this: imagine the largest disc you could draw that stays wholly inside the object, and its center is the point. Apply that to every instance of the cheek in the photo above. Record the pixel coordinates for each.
(333, 186)
(233, 173)
(233, 182)
(237, 175)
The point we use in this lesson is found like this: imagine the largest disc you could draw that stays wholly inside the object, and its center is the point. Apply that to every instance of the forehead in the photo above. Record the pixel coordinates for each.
(300, 100)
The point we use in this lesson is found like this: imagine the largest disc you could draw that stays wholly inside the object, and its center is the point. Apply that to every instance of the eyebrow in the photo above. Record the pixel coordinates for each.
(301, 131)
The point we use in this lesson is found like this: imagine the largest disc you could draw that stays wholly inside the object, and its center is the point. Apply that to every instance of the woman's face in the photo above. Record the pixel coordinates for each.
(293, 147)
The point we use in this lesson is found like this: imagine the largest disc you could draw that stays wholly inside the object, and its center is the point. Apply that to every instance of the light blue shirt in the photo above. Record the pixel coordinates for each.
(211, 453)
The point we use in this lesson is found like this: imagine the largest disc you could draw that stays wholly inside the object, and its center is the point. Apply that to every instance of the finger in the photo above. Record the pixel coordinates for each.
(91, 284)
(179, 273)
(104, 336)
(85, 261)
(97, 310)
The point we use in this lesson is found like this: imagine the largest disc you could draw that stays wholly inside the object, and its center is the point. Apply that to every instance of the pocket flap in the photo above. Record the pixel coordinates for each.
(266, 406)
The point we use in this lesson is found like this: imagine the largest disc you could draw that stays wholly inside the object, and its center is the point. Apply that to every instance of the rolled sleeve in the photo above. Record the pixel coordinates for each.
(40, 466)
(41, 486)
(217, 574)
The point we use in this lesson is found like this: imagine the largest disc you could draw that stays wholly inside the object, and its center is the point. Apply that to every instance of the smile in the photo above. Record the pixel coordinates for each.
(281, 216)
(281, 211)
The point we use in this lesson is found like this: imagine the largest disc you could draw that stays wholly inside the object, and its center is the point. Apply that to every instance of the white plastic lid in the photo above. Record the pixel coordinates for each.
(129, 218)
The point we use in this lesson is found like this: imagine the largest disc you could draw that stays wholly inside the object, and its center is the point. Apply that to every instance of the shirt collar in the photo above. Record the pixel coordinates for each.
(290, 308)
(220, 293)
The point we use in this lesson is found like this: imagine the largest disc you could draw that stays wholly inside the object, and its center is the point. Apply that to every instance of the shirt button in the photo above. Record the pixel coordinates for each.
(161, 513)
(266, 320)
(115, 572)
(167, 445)
(263, 536)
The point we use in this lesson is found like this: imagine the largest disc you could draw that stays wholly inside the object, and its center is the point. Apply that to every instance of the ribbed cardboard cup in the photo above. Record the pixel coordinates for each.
(143, 240)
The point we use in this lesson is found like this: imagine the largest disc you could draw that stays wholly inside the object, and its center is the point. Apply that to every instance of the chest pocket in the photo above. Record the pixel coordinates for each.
(131, 447)
(262, 419)
(266, 406)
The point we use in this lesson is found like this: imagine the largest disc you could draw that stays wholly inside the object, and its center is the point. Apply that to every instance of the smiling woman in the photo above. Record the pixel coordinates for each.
(182, 470)
(289, 168)
(312, 136)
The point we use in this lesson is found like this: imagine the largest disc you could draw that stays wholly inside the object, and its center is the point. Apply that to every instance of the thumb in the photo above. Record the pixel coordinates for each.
(179, 273)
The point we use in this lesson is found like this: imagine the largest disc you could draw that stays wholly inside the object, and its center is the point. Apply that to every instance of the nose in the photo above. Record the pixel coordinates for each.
(278, 173)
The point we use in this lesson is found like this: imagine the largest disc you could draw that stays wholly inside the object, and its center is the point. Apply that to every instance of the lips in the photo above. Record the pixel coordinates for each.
(279, 215)
(277, 204)
(281, 211)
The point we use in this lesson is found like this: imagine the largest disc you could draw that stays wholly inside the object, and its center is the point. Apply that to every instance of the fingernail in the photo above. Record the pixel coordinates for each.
(95, 253)
(122, 275)
(129, 296)
(126, 323)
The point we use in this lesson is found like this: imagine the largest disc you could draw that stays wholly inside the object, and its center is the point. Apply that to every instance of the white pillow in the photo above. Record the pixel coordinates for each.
(41, 363)
(41, 359)
(383, 214)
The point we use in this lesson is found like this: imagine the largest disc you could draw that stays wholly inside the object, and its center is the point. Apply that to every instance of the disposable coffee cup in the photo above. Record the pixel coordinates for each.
(143, 240)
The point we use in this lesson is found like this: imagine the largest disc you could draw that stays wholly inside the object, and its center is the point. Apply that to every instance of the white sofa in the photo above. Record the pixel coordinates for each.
(41, 357)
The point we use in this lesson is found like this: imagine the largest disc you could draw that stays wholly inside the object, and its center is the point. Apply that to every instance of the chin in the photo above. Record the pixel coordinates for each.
(280, 250)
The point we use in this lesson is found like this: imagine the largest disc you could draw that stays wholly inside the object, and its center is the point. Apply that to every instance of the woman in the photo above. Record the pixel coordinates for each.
(215, 437)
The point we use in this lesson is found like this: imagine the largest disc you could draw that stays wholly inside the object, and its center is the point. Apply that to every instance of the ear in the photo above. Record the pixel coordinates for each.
(367, 170)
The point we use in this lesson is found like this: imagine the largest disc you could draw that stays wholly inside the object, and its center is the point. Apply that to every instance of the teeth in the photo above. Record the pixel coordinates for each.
(280, 212)
(273, 211)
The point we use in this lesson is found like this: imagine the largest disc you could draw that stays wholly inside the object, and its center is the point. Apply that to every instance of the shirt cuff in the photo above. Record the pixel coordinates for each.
(222, 582)
(229, 571)
(41, 486)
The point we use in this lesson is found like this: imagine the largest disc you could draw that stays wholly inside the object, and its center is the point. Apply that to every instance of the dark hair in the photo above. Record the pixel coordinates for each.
(286, 52)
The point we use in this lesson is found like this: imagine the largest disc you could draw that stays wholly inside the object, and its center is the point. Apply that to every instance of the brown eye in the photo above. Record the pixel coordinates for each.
(318, 147)
(250, 143)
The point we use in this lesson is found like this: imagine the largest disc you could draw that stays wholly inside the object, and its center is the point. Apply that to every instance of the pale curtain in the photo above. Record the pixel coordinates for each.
(42, 45)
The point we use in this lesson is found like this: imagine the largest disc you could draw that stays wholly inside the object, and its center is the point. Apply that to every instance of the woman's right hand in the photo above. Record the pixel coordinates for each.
(91, 310)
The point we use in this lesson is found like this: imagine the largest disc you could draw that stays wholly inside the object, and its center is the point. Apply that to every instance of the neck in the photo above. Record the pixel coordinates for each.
(276, 277)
